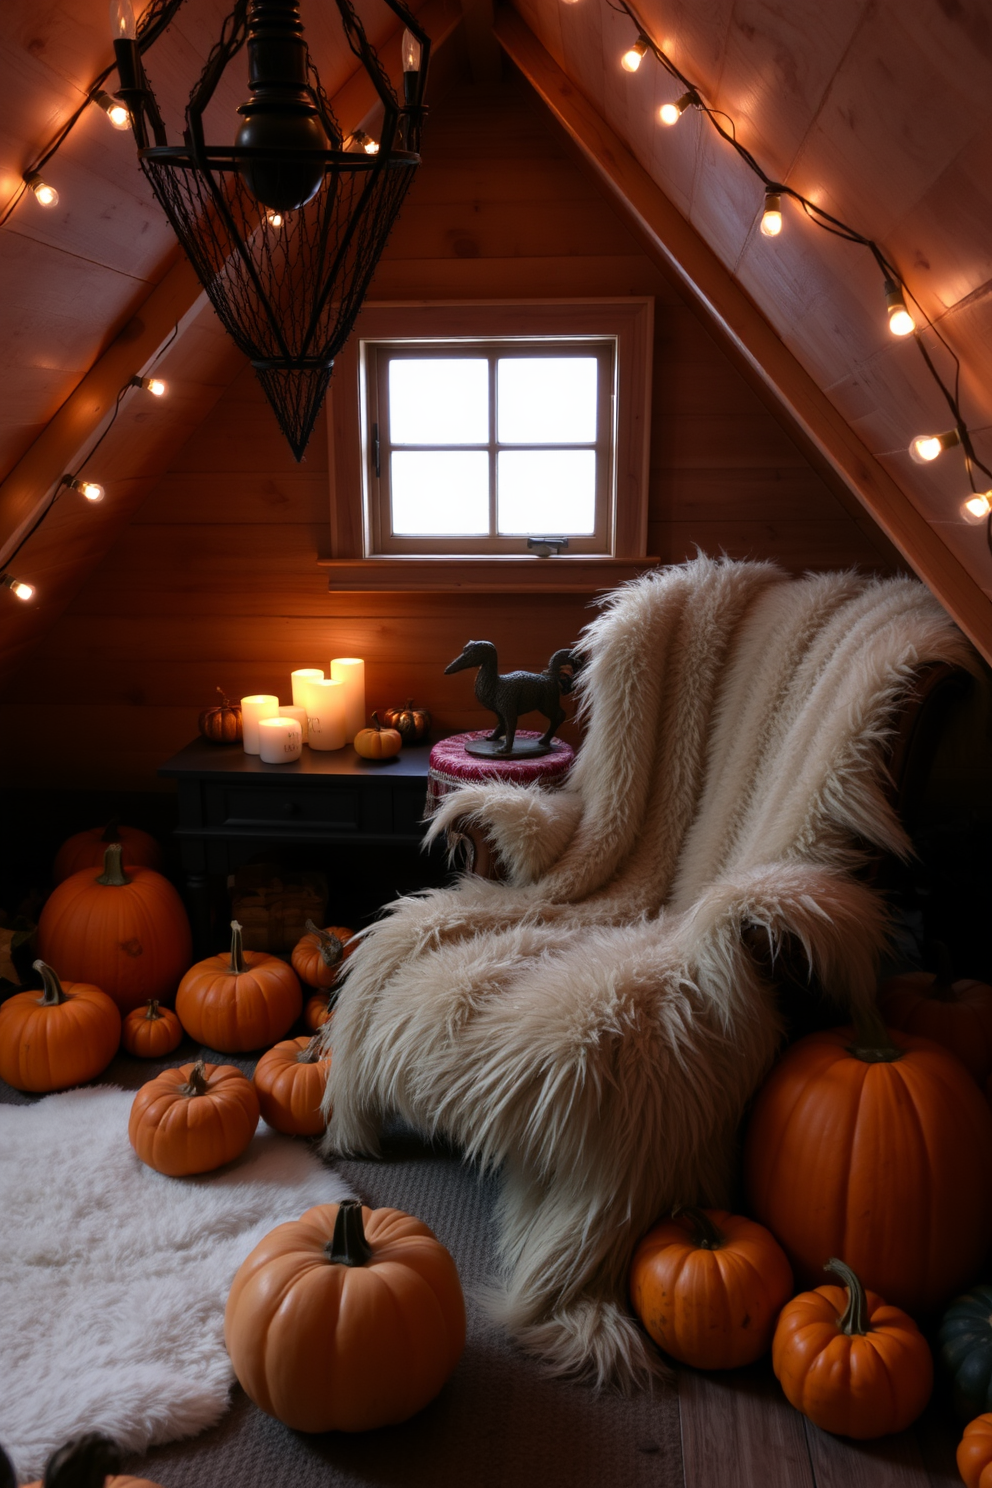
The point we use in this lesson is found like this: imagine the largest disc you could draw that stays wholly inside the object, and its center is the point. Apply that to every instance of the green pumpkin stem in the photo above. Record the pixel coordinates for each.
(348, 1245)
(330, 948)
(855, 1316)
(112, 831)
(237, 965)
(872, 1041)
(705, 1234)
(113, 867)
(151, 1010)
(197, 1082)
(311, 1054)
(53, 994)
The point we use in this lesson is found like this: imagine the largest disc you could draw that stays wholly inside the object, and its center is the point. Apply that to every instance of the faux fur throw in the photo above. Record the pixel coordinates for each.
(113, 1278)
(595, 1025)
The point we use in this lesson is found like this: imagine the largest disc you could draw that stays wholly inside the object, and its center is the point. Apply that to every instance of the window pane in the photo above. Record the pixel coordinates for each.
(546, 400)
(546, 492)
(442, 493)
(439, 400)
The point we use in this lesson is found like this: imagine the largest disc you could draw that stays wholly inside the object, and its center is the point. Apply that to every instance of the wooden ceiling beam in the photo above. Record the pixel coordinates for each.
(673, 241)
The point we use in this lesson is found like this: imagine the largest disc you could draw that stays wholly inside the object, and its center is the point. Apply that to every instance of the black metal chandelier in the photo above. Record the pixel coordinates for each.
(285, 226)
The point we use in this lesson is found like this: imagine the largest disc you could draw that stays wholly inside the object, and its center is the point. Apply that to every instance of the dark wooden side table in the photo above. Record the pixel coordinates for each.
(231, 806)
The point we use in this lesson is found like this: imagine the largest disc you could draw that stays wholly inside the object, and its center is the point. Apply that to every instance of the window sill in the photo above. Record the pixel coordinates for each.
(561, 574)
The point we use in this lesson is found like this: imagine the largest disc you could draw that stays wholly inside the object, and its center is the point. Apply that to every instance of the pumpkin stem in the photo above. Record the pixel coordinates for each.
(942, 987)
(705, 1234)
(84, 1462)
(311, 1054)
(151, 1010)
(113, 867)
(872, 1041)
(237, 950)
(111, 832)
(348, 1245)
(376, 724)
(855, 1316)
(225, 700)
(330, 948)
(53, 994)
(197, 1082)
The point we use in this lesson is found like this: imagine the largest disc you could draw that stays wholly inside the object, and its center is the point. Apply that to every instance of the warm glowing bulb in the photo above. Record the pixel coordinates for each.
(926, 447)
(411, 50)
(115, 110)
(671, 113)
(361, 141)
(17, 586)
(156, 387)
(371, 147)
(631, 60)
(122, 22)
(274, 219)
(91, 491)
(977, 507)
(47, 195)
(901, 323)
(771, 217)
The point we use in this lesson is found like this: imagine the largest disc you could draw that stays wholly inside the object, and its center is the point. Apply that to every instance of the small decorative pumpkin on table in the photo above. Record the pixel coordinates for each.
(965, 1351)
(319, 955)
(412, 724)
(346, 1319)
(955, 1014)
(152, 1031)
(290, 1080)
(378, 743)
(66, 1036)
(239, 1002)
(974, 1454)
(193, 1119)
(87, 849)
(89, 1461)
(851, 1363)
(221, 724)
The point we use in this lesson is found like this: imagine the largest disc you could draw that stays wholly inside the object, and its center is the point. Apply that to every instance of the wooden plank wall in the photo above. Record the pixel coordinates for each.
(215, 581)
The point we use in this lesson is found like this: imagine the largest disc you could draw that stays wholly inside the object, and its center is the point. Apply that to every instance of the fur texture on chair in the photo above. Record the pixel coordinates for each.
(595, 1025)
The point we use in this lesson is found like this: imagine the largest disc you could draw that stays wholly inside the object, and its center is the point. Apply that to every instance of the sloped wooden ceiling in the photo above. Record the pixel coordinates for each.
(878, 112)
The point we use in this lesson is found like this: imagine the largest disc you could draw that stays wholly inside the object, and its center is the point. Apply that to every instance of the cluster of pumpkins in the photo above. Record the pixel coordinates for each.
(872, 1148)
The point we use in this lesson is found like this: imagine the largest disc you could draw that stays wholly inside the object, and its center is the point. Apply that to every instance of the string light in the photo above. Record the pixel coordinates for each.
(977, 507)
(115, 110)
(89, 489)
(153, 385)
(17, 586)
(274, 219)
(46, 195)
(632, 58)
(926, 447)
(671, 113)
(771, 217)
(901, 323)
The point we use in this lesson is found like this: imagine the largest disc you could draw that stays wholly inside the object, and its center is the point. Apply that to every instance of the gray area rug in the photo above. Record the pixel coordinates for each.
(499, 1421)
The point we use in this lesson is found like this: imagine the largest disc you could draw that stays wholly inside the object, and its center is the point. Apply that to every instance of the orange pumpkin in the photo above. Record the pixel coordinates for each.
(957, 1015)
(67, 1035)
(318, 957)
(124, 930)
(708, 1287)
(290, 1082)
(151, 1032)
(86, 849)
(240, 1002)
(378, 742)
(851, 1363)
(868, 1147)
(86, 1462)
(193, 1119)
(974, 1455)
(345, 1320)
(221, 724)
(319, 1010)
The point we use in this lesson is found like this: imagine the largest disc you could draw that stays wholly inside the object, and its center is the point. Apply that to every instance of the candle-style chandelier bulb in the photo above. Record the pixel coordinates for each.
(17, 586)
(46, 195)
(89, 489)
(122, 23)
(115, 110)
(411, 50)
(275, 219)
(977, 507)
(671, 113)
(926, 447)
(631, 59)
(901, 323)
(360, 141)
(153, 385)
(771, 217)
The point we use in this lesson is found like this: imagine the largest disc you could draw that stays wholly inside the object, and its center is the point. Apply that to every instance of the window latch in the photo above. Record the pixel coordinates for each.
(375, 448)
(545, 546)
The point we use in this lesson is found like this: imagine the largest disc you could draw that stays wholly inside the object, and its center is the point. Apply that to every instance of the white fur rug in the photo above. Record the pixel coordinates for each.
(113, 1278)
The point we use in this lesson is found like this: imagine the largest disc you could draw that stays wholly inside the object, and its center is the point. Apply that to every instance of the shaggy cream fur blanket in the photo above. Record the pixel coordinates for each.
(595, 1025)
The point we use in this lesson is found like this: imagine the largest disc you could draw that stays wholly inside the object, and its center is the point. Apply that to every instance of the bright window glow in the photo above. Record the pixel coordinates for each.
(440, 493)
(546, 400)
(439, 401)
(546, 491)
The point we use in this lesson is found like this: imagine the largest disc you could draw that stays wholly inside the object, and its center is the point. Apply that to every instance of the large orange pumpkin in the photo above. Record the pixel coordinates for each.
(123, 929)
(86, 849)
(708, 1286)
(345, 1320)
(66, 1036)
(318, 957)
(850, 1362)
(290, 1081)
(152, 1031)
(955, 1014)
(193, 1119)
(239, 1002)
(871, 1148)
(974, 1454)
(86, 1462)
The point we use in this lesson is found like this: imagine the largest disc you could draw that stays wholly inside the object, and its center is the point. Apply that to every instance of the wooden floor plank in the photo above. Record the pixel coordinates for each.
(889, 1462)
(738, 1431)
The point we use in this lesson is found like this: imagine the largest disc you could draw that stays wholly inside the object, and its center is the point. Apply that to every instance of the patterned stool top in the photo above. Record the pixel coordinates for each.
(451, 767)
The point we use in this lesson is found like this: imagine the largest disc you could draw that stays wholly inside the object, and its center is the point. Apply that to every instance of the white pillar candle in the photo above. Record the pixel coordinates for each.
(325, 713)
(298, 678)
(253, 709)
(300, 714)
(280, 740)
(351, 671)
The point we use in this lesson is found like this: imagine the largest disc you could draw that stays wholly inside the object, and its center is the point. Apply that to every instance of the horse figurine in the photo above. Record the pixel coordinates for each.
(514, 693)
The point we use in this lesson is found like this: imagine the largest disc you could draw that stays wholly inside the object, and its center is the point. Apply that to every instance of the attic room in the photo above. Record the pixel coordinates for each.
(495, 625)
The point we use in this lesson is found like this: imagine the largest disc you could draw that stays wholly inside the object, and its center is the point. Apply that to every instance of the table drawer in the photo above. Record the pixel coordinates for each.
(253, 806)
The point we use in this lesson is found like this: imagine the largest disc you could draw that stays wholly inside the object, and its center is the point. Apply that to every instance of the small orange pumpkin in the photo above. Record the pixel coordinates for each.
(346, 1320)
(319, 1010)
(221, 724)
(955, 1014)
(412, 724)
(974, 1454)
(317, 958)
(290, 1080)
(193, 1119)
(151, 1032)
(852, 1364)
(708, 1287)
(86, 849)
(377, 742)
(66, 1036)
(87, 1462)
(240, 1002)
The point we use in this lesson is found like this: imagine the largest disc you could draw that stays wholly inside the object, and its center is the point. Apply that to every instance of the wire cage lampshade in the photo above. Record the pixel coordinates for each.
(284, 226)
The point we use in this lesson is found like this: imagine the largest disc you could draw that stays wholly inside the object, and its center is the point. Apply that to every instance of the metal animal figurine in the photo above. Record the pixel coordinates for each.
(514, 693)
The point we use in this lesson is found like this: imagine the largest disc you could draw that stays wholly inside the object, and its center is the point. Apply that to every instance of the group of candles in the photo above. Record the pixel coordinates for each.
(326, 713)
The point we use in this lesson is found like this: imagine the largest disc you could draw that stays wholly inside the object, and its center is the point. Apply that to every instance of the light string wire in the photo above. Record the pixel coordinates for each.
(828, 223)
